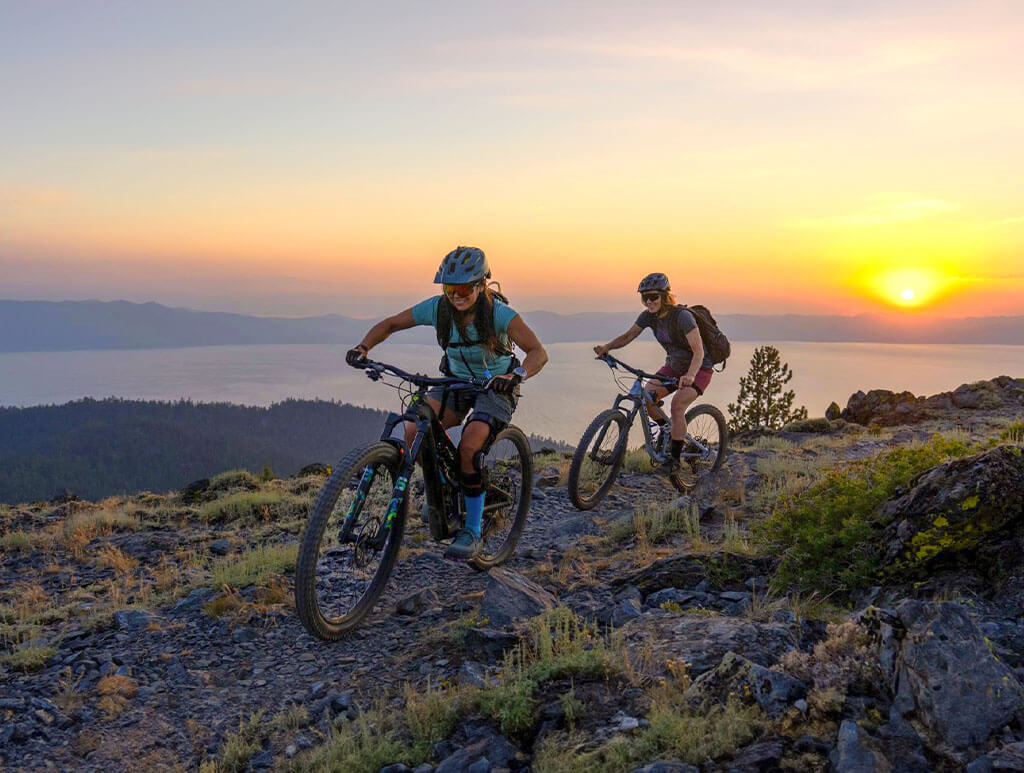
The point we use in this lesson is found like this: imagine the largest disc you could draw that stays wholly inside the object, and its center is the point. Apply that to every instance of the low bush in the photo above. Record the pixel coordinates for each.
(254, 566)
(246, 507)
(826, 534)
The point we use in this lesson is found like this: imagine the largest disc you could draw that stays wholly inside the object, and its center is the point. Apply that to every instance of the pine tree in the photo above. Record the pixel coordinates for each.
(761, 401)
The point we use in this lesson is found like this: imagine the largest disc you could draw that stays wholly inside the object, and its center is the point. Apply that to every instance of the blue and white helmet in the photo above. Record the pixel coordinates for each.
(654, 283)
(463, 265)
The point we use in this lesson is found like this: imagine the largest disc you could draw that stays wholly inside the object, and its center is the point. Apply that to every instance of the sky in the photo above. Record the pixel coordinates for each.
(305, 158)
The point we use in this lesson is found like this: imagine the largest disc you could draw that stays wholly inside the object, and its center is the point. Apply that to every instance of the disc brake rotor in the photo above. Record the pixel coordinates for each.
(364, 551)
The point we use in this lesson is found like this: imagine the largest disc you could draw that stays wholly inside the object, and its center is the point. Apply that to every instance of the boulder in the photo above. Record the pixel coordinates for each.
(885, 408)
(702, 642)
(833, 411)
(954, 510)
(722, 570)
(852, 755)
(314, 469)
(940, 663)
(510, 597)
(773, 691)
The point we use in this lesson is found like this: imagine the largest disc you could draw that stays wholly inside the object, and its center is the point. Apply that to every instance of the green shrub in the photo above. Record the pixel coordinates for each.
(637, 460)
(254, 566)
(1014, 432)
(826, 534)
(249, 506)
(14, 541)
(232, 480)
(28, 658)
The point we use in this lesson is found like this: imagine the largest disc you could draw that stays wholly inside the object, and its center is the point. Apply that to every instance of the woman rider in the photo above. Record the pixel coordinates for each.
(676, 330)
(481, 327)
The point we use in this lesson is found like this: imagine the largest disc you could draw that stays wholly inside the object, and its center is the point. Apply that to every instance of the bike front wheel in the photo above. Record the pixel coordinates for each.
(509, 486)
(348, 548)
(598, 459)
(707, 436)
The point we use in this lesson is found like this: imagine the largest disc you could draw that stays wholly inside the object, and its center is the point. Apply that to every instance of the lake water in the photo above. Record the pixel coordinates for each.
(559, 403)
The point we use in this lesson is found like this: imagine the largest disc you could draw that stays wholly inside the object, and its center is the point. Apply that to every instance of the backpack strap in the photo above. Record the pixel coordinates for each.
(445, 324)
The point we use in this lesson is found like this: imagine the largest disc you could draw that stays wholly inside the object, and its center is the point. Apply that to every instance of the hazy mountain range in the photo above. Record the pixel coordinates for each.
(68, 325)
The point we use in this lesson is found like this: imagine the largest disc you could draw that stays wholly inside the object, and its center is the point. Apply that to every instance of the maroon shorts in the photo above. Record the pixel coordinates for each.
(700, 381)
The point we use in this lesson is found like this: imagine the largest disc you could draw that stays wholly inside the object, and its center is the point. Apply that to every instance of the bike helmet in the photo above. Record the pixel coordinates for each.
(654, 282)
(463, 265)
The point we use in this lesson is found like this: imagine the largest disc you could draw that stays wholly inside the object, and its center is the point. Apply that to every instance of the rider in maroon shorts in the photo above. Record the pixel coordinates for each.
(676, 330)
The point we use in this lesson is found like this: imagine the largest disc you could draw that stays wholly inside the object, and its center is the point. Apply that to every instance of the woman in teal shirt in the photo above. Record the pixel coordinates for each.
(481, 329)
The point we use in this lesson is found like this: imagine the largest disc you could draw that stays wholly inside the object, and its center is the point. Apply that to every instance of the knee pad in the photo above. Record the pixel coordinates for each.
(472, 483)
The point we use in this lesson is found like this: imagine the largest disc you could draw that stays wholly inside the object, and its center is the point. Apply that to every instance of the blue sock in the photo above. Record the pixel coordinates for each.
(474, 512)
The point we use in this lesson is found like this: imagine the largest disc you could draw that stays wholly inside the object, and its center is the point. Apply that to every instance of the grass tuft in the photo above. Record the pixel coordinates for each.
(254, 566)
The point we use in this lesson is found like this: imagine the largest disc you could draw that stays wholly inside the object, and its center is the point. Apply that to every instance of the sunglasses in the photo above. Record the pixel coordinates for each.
(463, 291)
(648, 297)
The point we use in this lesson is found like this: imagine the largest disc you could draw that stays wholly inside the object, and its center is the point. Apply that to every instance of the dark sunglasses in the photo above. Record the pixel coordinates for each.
(463, 290)
(648, 297)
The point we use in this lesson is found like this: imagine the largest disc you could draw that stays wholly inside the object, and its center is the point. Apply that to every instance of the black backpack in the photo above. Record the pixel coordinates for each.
(716, 345)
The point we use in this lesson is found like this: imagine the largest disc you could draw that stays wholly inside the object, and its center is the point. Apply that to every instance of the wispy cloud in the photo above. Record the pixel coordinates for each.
(888, 209)
(1002, 222)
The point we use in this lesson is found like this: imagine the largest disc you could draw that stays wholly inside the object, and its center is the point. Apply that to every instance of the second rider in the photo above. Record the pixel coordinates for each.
(476, 328)
(677, 332)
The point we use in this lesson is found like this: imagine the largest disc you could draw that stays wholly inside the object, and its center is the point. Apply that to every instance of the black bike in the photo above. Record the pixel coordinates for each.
(602, 448)
(351, 542)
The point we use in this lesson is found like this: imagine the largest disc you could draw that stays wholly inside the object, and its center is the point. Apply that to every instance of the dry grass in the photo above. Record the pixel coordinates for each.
(113, 558)
(115, 693)
(254, 566)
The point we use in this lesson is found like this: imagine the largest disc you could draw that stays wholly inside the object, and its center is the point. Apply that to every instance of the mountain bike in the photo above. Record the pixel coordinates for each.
(352, 539)
(602, 449)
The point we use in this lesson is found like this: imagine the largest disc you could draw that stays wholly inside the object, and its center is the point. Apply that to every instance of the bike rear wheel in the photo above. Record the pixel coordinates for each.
(707, 438)
(598, 459)
(509, 486)
(341, 573)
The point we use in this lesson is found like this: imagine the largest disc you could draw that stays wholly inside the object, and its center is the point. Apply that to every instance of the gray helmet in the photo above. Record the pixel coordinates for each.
(463, 265)
(654, 282)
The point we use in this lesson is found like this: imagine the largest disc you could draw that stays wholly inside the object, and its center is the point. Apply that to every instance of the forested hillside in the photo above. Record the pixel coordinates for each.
(96, 448)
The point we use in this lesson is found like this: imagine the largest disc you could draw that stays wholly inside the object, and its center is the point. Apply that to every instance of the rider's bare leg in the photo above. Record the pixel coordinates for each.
(474, 435)
(681, 401)
(657, 392)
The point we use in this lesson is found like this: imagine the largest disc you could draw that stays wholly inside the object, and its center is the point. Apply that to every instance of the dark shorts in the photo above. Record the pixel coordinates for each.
(700, 381)
(497, 407)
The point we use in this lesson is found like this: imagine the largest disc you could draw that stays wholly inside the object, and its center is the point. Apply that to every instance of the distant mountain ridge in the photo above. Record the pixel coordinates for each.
(27, 326)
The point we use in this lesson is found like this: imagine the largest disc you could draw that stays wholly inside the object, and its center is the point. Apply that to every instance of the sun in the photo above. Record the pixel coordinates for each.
(907, 294)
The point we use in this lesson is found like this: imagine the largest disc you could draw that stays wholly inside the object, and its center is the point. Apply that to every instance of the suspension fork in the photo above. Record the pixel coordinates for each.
(352, 516)
(400, 490)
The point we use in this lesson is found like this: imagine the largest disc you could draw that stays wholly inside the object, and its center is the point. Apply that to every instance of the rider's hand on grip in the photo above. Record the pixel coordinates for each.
(356, 357)
(504, 385)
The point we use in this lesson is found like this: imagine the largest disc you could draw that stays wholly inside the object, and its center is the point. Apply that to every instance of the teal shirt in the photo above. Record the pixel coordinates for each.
(471, 361)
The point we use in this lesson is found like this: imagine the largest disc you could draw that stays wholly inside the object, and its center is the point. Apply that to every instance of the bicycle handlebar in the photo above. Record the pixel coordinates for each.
(374, 370)
(614, 362)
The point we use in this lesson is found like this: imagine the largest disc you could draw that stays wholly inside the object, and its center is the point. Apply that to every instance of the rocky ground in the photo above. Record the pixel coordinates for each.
(157, 632)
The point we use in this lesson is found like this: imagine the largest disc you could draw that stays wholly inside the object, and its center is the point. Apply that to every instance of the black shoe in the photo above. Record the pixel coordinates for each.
(670, 466)
(465, 546)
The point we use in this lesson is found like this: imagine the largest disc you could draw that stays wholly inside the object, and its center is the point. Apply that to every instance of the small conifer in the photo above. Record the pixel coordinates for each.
(761, 401)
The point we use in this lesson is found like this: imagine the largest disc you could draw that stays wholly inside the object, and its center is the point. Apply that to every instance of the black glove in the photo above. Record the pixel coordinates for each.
(356, 357)
(504, 386)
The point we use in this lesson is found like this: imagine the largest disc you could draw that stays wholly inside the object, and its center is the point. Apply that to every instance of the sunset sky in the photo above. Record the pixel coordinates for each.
(305, 158)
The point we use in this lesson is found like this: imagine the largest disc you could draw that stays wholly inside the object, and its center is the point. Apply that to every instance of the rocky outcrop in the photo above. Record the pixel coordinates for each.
(510, 597)
(945, 680)
(886, 408)
(955, 511)
(772, 690)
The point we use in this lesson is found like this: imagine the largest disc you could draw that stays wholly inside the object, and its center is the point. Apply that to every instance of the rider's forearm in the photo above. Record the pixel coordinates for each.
(534, 360)
(619, 341)
(696, 362)
(376, 334)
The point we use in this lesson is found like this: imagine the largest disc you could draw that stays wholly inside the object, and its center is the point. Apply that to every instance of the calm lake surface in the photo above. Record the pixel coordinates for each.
(559, 403)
